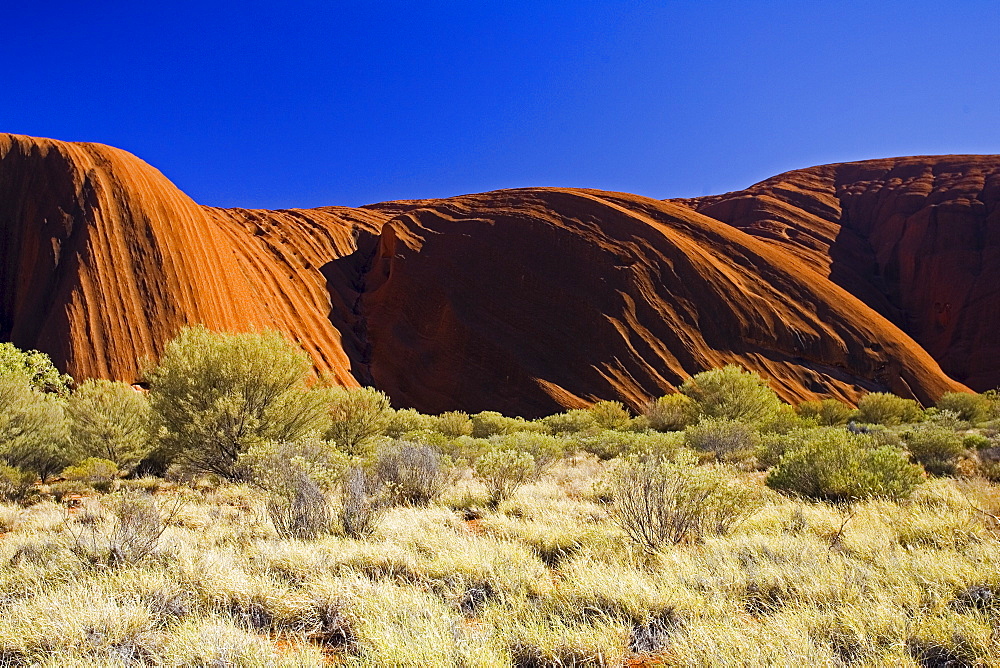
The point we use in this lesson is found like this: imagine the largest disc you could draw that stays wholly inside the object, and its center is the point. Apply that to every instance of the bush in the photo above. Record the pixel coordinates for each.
(610, 415)
(411, 474)
(571, 422)
(357, 416)
(888, 409)
(301, 510)
(827, 413)
(503, 471)
(35, 367)
(15, 483)
(936, 448)
(732, 393)
(33, 430)
(673, 412)
(454, 424)
(722, 437)
(543, 448)
(111, 421)
(98, 473)
(658, 502)
(973, 408)
(407, 420)
(361, 504)
(125, 531)
(834, 465)
(216, 395)
(273, 465)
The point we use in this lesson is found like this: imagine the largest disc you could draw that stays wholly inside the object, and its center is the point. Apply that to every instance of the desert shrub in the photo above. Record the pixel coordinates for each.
(357, 417)
(974, 408)
(361, 503)
(610, 415)
(33, 429)
(659, 502)
(269, 465)
(975, 442)
(125, 530)
(94, 471)
(887, 409)
(608, 444)
(215, 395)
(300, 509)
(453, 424)
(672, 412)
(544, 449)
(834, 465)
(936, 448)
(35, 367)
(773, 446)
(503, 471)
(490, 423)
(732, 393)
(15, 483)
(111, 421)
(411, 473)
(827, 412)
(722, 437)
(570, 422)
(407, 420)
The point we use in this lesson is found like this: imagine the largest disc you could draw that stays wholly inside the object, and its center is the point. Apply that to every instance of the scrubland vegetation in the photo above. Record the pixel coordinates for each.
(240, 513)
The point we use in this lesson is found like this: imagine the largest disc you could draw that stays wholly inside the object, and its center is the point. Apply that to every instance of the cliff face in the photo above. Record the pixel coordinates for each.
(826, 281)
(917, 239)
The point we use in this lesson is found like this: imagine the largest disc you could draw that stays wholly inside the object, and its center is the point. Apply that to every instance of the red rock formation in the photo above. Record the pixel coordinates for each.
(523, 301)
(917, 239)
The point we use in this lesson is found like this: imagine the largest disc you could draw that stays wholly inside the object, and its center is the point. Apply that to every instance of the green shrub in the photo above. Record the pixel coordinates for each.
(543, 448)
(571, 422)
(274, 464)
(973, 408)
(490, 423)
(672, 412)
(610, 415)
(453, 424)
(407, 420)
(936, 448)
(216, 395)
(94, 471)
(503, 471)
(111, 421)
(888, 409)
(722, 437)
(15, 483)
(35, 367)
(834, 465)
(732, 393)
(358, 416)
(659, 502)
(977, 442)
(827, 413)
(33, 429)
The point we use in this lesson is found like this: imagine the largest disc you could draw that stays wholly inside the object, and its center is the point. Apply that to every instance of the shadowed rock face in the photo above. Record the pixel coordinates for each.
(524, 301)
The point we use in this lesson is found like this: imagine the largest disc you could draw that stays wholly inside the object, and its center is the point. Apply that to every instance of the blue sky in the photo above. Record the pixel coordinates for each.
(267, 104)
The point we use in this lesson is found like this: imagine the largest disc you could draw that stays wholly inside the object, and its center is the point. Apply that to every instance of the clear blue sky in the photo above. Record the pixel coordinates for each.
(281, 104)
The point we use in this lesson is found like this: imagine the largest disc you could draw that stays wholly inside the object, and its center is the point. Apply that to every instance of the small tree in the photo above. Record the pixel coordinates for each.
(33, 430)
(732, 393)
(215, 395)
(357, 416)
(35, 367)
(110, 421)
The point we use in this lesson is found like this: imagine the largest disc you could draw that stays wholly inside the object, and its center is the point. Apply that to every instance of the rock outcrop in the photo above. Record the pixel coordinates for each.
(830, 281)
